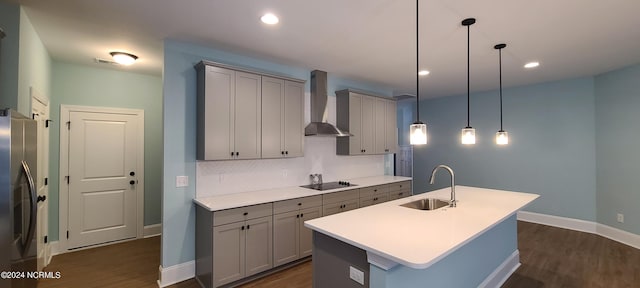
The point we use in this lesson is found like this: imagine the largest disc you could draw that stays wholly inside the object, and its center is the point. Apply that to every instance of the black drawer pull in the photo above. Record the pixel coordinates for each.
(248, 226)
(245, 213)
(301, 215)
(242, 228)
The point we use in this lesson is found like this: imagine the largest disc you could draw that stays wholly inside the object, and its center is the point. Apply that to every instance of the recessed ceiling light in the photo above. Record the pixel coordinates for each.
(270, 19)
(423, 72)
(123, 58)
(532, 65)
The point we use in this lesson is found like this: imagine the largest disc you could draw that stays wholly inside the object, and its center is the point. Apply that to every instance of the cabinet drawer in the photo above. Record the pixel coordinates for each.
(399, 194)
(368, 201)
(373, 190)
(297, 203)
(404, 185)
(242, 213)
(334, 208)
(340, 196)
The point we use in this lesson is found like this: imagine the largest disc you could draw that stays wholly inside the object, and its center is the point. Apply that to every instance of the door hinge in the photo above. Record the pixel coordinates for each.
(67, 178)
(46, 239)
(34, 115)
(46, 181)
(68, 125)
(67, 234)
(46, 123)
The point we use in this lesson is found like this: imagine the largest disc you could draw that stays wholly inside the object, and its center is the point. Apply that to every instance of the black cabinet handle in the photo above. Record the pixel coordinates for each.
(231, 153)
(242, 228)
(237, 153)
(375, 199)
(132, 173)
(132, 182)
(286, 152)
(301, 215)
(282, 152)
(245, 213)
(298, 216)
(299, 204)
(248, 227)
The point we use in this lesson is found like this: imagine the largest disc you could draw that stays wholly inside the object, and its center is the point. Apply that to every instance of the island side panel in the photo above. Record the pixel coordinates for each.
(488, 259)
(331, 261)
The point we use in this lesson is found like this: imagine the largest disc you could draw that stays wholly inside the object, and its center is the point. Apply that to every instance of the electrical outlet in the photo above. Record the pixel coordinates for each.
(182, 181)
(356, 275)
(620, 218)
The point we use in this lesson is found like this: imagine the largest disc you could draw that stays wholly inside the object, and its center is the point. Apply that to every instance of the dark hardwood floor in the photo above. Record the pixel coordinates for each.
(550, 257)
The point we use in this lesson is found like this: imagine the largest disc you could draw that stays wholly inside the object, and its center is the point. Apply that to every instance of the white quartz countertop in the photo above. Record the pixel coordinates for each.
(229, 201)
(417, 238)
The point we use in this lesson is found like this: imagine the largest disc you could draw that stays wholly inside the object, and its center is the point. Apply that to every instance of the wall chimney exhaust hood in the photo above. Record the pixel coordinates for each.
(319, 125)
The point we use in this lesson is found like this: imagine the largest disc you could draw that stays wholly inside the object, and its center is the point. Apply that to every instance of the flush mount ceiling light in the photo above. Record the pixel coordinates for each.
(468, 134)
(531, 65)
(502, 138)
(123, 58)
(269, 18)
(423, 72)
(417, 130)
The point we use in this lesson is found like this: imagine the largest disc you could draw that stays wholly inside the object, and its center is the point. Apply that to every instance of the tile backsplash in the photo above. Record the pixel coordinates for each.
(226, 177)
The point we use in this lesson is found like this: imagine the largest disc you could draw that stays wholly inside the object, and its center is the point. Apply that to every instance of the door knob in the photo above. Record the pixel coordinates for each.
(41, 198)
(132, 173)
(132, 182)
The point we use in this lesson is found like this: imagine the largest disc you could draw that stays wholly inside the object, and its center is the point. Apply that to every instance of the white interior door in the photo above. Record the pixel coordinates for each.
(102, 177)
(40, 112)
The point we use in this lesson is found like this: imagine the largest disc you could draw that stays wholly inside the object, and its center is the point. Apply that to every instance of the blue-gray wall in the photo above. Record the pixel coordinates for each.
(10, 23)
(179, 116)
(551, 148)
(89, 86)
(617, 142)
(35, 66)
(574, 142)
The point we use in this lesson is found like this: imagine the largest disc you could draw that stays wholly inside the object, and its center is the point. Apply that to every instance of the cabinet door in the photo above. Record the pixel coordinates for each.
(293, 119)
(367, 125)
(228, 253)
(333, 208)
(306, 234)
(355, 120)
(391, 127)
(380, 126)
(218, 122)
(350, 205)
(285, 237)
(273, 91)
(248, 116)
(259, 249)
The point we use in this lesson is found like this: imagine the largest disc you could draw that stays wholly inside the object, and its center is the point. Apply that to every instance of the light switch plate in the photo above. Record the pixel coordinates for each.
(182, 181)
(356, 275)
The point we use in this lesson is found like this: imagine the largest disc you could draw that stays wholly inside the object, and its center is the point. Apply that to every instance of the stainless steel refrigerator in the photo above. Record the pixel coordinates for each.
(18, 196)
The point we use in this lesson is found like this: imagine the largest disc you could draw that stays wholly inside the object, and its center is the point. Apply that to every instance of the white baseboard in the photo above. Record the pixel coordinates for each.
(176, 273)
(152, 230)
(614, 234)
(618, 235)
(503, 272)
(55, 248)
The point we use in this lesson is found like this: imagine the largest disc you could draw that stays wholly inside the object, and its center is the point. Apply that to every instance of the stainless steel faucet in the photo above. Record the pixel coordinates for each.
(453, 182)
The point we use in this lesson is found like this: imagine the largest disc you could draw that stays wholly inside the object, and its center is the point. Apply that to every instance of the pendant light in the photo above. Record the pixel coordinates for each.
(417, 130)
(468, 133)
(502, 138)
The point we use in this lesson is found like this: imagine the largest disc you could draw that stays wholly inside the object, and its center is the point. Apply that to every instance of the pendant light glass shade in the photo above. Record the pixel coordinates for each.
(468, 136)
(418, 133)
(502, 138)
(417, 130)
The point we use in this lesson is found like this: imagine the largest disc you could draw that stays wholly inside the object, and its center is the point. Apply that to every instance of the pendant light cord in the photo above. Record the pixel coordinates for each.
(468, 73)
(500, 61)
(417, 67)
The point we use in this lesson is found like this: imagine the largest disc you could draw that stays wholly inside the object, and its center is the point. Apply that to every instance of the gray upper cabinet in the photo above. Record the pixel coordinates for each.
(370, 119)
(248, 115)
(282, 118)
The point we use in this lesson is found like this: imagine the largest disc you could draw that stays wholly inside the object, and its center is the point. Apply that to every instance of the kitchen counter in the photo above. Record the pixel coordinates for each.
(229, 201)
(412, 243)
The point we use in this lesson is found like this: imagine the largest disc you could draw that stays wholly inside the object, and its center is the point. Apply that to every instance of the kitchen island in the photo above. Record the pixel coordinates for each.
(388, 245)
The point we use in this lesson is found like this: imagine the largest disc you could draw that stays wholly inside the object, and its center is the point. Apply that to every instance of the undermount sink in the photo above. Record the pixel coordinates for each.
(426, 204)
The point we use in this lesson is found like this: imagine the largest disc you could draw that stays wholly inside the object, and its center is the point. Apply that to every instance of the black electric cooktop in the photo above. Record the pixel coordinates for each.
(329, 185)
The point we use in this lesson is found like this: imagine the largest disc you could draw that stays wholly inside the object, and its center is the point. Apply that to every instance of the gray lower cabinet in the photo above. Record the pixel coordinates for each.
(233, 244)
(291, 240)
(399, 190)
(337, 202)
(374, 195)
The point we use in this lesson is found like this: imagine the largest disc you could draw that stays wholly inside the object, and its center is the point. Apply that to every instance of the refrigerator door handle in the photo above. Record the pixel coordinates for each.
(34, 207)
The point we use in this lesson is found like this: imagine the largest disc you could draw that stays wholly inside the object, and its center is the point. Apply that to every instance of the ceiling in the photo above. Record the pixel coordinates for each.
(365, 40)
